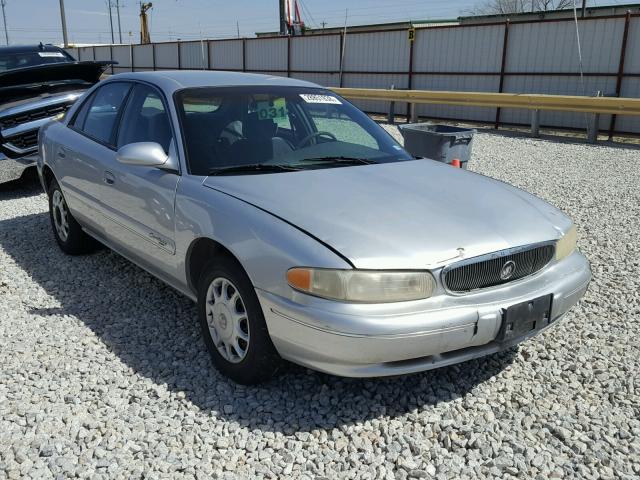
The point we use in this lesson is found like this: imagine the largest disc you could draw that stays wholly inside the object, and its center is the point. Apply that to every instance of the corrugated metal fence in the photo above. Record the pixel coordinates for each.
(516, 57)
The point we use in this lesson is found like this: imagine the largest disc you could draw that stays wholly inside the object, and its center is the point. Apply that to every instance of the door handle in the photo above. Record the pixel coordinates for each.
(62, 153)
(109, 178)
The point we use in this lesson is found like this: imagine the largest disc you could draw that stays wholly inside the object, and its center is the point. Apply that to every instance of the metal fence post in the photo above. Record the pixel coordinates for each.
(623, 53)
(341, 57)
(289, 56)
(244, 54)
(505, 41)
(410, 108)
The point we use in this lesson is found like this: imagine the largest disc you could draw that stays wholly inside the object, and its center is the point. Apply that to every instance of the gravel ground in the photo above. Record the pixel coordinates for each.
(104, 374)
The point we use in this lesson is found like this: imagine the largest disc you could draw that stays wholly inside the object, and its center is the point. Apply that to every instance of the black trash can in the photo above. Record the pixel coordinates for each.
(438, 142)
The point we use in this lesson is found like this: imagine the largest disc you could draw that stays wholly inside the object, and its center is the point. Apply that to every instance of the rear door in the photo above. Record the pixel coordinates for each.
(141, 199)
(85, 149)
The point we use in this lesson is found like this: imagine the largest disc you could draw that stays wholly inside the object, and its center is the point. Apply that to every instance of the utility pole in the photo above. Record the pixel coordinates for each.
(145, 36)
(119, 27)
(4, 19)
(284, 29)
(113, 40)
(584, 7)
(64, 25)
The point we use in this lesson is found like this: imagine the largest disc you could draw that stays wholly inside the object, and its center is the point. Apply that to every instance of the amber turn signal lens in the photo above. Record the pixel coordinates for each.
(299, 278)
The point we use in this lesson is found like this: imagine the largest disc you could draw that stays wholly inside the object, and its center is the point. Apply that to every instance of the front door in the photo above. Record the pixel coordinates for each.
(142, 199)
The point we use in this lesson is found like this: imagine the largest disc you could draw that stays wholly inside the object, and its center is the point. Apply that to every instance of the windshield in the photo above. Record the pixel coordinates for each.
(10, 61)
(242, 129)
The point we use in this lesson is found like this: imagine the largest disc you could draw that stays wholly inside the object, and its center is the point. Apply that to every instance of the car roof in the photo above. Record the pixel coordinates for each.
(172, 80)
(30, 48)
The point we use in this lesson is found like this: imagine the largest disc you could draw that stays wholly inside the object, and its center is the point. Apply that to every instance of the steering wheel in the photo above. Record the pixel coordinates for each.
(306, 139)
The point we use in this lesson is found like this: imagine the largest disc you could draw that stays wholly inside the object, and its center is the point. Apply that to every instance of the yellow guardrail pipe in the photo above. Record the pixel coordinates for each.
(565, 103)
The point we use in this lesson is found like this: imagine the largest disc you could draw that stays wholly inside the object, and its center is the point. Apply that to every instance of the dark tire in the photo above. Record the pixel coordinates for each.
(68, 232)
(254, 360)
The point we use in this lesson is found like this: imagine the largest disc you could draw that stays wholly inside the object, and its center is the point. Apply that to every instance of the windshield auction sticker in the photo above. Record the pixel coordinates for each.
(275, 110)
(311, 98)
(51, 54)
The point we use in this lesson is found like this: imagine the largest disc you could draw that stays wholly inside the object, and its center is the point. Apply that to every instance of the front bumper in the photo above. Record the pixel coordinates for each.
(13, 168)
(377, 340)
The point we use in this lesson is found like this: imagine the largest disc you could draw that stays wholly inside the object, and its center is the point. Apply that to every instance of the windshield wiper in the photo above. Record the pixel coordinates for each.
(340, 159)
(253, 167)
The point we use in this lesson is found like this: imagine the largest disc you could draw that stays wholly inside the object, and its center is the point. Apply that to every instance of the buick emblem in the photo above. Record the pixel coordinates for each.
(507, 270)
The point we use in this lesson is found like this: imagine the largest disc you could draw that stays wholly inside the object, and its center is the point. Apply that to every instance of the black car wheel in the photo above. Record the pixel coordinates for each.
(233, 324)
(68, 232)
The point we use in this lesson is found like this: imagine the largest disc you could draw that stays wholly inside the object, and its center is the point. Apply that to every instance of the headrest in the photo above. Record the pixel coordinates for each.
(257, 129)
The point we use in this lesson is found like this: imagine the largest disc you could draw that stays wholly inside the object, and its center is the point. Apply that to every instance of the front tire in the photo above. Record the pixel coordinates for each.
(233, 325)
(68, 232)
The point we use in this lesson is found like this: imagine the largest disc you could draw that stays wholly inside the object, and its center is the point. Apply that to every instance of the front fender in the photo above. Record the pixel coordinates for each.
(264, 245)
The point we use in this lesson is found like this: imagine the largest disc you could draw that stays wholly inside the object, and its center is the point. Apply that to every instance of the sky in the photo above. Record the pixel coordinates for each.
(32, 21)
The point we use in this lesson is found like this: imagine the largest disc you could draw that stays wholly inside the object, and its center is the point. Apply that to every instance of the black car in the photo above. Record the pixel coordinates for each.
(37, 83)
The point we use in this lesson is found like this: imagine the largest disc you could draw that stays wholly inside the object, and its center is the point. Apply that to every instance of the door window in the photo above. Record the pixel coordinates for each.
(103, 112)
(145, 119)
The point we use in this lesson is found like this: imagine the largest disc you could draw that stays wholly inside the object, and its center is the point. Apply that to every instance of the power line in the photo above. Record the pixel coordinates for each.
(119, 27)
(4, 20)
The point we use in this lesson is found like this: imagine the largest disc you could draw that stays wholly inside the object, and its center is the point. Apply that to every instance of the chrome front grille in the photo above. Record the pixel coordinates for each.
(490, 270)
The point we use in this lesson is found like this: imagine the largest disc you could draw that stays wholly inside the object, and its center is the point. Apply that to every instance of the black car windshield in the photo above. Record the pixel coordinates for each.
(290, 127)
(13, 60)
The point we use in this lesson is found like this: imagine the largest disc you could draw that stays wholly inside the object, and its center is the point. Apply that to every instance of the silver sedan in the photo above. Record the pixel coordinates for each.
(301, 228)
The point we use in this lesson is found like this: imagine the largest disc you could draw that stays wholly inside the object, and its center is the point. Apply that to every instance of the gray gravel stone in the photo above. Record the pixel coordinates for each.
(104, 375)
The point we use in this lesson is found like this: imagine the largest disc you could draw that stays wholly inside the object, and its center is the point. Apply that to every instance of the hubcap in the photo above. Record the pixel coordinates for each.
(227, 320)
(60, 215)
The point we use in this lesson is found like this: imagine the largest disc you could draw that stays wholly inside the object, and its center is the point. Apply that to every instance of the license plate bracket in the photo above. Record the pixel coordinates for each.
(523, 318)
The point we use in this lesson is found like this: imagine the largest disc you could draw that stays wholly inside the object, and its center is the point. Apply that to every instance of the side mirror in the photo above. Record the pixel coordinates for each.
(142, 154)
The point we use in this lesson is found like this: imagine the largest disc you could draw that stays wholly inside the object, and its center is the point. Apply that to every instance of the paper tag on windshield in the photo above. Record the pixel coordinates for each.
(313, 98)
(51, 54)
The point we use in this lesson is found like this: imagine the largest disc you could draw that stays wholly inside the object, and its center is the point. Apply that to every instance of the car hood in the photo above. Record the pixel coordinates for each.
(20, 83)
(404, 215)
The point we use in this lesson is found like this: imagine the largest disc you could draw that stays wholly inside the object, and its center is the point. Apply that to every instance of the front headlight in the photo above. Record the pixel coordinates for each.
(567, 244)
(367, 286)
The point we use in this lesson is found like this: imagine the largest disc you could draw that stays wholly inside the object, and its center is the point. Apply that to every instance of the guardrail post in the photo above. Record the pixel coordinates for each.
(592, 128)
(593, 124)
(392, 107)
(414, 112)
(535, 123)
